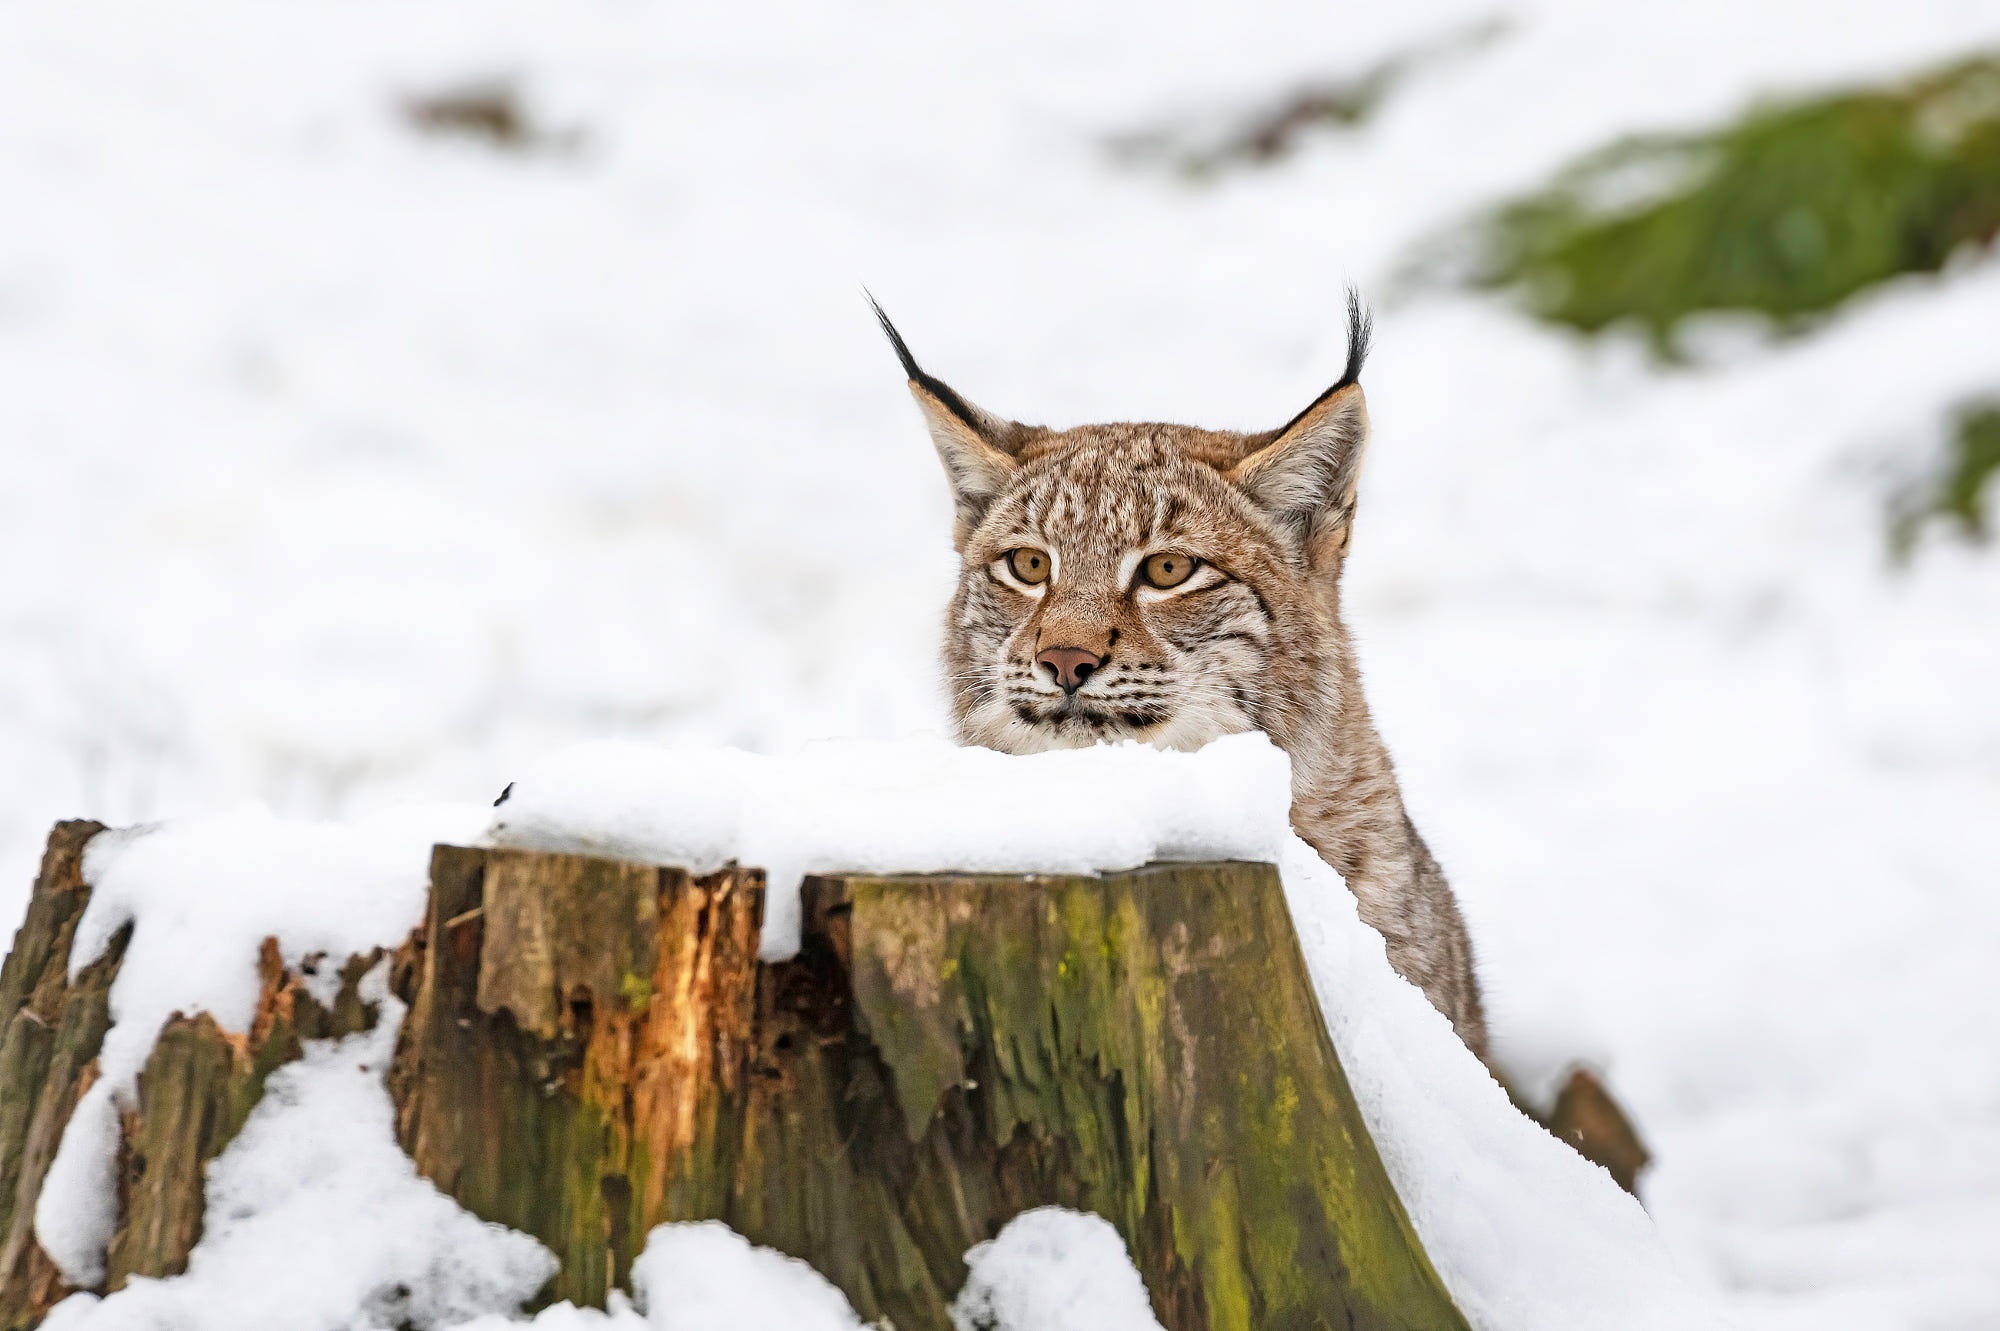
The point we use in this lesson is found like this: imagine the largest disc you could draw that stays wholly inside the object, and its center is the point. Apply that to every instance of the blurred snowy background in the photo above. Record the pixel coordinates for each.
(392, 392)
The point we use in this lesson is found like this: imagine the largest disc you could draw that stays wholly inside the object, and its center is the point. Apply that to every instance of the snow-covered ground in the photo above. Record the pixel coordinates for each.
(345, 465)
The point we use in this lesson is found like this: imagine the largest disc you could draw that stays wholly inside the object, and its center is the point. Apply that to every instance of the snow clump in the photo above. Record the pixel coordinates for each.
(1053, 1269)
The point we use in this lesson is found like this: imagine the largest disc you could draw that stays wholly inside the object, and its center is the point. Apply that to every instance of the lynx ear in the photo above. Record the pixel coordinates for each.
(1305, 477)
(977, 470)
(976, 447)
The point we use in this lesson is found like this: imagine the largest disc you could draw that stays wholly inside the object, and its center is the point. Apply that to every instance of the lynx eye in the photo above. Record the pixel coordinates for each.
(1029, 565)
(1168, 570)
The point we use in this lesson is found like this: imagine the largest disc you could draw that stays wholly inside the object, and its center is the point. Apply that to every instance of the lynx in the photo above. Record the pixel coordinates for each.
(1171, 585)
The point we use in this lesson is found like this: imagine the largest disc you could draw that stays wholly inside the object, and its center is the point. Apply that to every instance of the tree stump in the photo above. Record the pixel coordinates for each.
(194, 1093)
(592, 1049)
(48, 1053)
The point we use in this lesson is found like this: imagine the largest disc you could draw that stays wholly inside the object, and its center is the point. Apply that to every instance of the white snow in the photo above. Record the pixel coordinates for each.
(77, 1212)
(694, 1277)
(345, 466)
(216, 887)
(703, 1277)
(1523, 1231)
(1049, 1269)
(202, 896)
(1053, 1269)
(917, 805)
(316, 1219)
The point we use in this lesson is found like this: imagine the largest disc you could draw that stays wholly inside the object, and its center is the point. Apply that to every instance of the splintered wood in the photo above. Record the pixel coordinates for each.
(197, 1087)
(592, 1049)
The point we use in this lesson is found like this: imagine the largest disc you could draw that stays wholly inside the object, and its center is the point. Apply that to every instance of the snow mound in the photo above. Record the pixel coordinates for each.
(705, 1276)
(702, 1276)
(1053, 1269)
(914, 806)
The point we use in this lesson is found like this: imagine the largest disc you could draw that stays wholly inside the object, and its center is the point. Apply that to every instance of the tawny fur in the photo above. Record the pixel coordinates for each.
(1253, 641)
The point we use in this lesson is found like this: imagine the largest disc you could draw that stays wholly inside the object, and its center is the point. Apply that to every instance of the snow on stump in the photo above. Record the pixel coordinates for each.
(194, 1093)
(593, 1049)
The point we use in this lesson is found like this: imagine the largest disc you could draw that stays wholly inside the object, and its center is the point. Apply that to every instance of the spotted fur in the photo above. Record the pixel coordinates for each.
(1254, 640)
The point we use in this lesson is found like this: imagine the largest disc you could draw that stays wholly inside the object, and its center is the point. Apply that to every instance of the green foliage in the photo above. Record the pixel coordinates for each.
(1784, 214)
(1957, 495)
(1975, 457)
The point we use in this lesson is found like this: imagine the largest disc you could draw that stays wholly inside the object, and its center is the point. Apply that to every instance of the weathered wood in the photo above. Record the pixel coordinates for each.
(195, 1092)
(576, 1047)
(592, 1050)
(1587, 1118)
(48, 1056)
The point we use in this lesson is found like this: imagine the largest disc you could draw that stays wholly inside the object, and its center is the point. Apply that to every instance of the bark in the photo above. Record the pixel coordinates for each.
(48, 1058)
(592, 1050)
(194, 1094)
(1589, 1120)
(576, 1054)
(196, 1090)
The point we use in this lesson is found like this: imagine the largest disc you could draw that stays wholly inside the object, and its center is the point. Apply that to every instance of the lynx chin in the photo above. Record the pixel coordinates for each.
(1172, 585)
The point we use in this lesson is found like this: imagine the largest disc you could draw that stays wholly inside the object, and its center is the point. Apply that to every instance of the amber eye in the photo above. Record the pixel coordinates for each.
(1168, 570)
(1029, 565)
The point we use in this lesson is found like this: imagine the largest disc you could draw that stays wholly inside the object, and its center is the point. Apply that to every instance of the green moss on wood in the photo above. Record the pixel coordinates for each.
(1151, 1040)
(944, 1053)
(539, 987)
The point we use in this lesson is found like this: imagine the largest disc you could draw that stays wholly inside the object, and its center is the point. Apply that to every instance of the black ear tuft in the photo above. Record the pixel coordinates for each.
(910, 366)
(1360, 331)
(930, 383)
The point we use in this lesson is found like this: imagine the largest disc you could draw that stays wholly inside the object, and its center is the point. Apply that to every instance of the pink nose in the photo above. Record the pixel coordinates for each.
(1070, 666)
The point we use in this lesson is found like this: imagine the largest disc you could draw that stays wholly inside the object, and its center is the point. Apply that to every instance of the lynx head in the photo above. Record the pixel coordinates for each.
(1151, 582)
